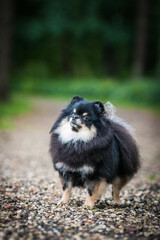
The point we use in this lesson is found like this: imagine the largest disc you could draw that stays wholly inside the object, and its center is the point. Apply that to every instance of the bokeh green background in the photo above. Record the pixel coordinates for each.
(105, 50)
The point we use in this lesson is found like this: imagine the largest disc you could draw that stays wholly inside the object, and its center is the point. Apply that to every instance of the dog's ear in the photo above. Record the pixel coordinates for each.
(99, 107)
(76, 99)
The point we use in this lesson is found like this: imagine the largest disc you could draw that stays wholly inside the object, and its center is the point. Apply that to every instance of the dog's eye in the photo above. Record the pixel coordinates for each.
(86, 118)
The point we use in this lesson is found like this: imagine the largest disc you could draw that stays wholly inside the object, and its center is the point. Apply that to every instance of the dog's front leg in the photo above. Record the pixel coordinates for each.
(66, 187)
(95, 190)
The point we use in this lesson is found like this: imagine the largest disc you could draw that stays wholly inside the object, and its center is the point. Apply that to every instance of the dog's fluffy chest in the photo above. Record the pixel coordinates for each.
(66, 134)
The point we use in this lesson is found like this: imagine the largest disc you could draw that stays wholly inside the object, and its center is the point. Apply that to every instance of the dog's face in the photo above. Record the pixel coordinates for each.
(80, 122)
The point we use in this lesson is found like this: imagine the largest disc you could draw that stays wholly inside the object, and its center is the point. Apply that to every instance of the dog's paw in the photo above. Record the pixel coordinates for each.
(119, 203)
(88, 204)
(63, 201)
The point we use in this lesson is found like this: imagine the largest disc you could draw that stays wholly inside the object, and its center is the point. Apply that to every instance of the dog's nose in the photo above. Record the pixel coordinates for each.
(74, 117)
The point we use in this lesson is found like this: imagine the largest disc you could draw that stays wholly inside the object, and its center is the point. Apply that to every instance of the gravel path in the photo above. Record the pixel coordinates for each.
(29, 193)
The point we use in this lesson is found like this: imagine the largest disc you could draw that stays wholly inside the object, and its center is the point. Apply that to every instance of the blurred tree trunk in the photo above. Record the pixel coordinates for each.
(6, 24)
(109, 61)
(67, 55)
(158, 56)
(140, 50)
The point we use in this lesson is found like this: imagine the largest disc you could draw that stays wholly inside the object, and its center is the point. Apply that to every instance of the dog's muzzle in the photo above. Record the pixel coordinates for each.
(75, 121)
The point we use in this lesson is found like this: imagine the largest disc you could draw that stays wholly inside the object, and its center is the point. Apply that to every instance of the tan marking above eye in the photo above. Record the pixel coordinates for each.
(85, 114)
(74, 110)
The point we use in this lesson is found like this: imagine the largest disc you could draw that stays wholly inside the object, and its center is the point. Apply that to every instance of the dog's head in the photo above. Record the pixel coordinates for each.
(84, 114)
(80, 120)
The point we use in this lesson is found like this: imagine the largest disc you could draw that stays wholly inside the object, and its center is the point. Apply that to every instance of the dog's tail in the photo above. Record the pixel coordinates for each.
(110, 112)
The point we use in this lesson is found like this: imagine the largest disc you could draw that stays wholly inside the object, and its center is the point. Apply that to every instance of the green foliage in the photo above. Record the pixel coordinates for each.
(140, 93)
(94, 38)
(18, 105)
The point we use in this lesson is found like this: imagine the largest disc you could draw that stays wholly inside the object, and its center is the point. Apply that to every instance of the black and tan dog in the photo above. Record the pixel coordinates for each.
(90, 150)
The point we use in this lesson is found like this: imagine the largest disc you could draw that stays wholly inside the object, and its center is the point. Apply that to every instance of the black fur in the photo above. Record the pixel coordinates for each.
(113, 152)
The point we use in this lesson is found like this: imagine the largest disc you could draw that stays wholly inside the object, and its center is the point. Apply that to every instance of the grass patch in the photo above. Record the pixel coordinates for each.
(129, 94)
(17, 105)
(144, 93)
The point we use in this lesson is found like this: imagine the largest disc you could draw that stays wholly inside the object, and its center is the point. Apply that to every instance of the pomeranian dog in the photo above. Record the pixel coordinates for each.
(91, 150)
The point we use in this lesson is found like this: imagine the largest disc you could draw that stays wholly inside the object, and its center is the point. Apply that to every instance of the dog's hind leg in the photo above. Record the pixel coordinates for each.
(117, 185)
(95, 192)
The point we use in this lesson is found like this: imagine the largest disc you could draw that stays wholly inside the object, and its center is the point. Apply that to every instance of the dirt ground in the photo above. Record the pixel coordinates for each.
(29, 193)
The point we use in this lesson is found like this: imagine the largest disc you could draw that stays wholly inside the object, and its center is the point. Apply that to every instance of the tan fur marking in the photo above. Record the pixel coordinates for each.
(66, 194)
(74, 110)
(118, 184)
(98, 191)
(85, 114)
